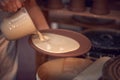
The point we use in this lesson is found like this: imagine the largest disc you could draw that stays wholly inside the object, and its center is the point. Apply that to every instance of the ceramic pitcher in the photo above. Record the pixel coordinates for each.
(18, 25)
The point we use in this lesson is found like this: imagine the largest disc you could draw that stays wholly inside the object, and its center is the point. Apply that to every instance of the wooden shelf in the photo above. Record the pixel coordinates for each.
(65, 12)
(70, 21)
(63, 16)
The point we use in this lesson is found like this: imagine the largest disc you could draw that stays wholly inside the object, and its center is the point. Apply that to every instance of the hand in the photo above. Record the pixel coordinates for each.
(10, 5)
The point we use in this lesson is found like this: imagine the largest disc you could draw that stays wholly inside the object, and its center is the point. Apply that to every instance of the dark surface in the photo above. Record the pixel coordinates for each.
(105, 39)
(105, 42)
(26, 67)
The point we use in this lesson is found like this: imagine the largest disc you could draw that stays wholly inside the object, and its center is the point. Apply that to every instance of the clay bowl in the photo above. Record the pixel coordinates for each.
(62, 69)
(100, 7)
(84, 42)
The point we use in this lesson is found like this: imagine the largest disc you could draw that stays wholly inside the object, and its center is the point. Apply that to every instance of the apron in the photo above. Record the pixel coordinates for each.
(8, 56)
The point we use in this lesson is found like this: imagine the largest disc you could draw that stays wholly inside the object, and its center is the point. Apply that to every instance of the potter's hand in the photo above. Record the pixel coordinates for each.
(10, 5)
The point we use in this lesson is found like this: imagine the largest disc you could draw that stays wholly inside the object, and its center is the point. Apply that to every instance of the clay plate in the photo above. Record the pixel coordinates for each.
(84, 42)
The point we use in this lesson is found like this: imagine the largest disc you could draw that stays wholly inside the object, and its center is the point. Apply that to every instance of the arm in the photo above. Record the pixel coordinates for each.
(36, 15)
(10, 5)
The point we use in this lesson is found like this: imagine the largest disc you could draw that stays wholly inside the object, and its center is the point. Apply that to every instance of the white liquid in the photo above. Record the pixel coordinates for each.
(55, 43)
(37, 77)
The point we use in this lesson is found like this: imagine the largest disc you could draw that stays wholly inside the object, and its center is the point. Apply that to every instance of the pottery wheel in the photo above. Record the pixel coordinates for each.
(111, 69)
(105, 42)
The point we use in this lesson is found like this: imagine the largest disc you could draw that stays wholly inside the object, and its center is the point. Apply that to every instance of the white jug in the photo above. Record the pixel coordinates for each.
(18, 25)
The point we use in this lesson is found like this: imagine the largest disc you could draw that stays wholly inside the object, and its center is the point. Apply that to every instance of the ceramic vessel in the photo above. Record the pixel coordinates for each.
(62, 69)
(77, 5)
(55, 4)
(100, 7)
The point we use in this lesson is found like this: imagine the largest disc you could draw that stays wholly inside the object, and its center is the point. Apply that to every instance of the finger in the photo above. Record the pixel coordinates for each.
(5, 1)
(18, 3)
(14, 6)
(3, 5)
(9, 5)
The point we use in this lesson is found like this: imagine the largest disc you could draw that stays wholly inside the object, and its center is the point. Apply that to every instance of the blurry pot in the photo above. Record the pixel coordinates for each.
(62, 69)
(100, 7)
(55, 4)
(77, 5)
